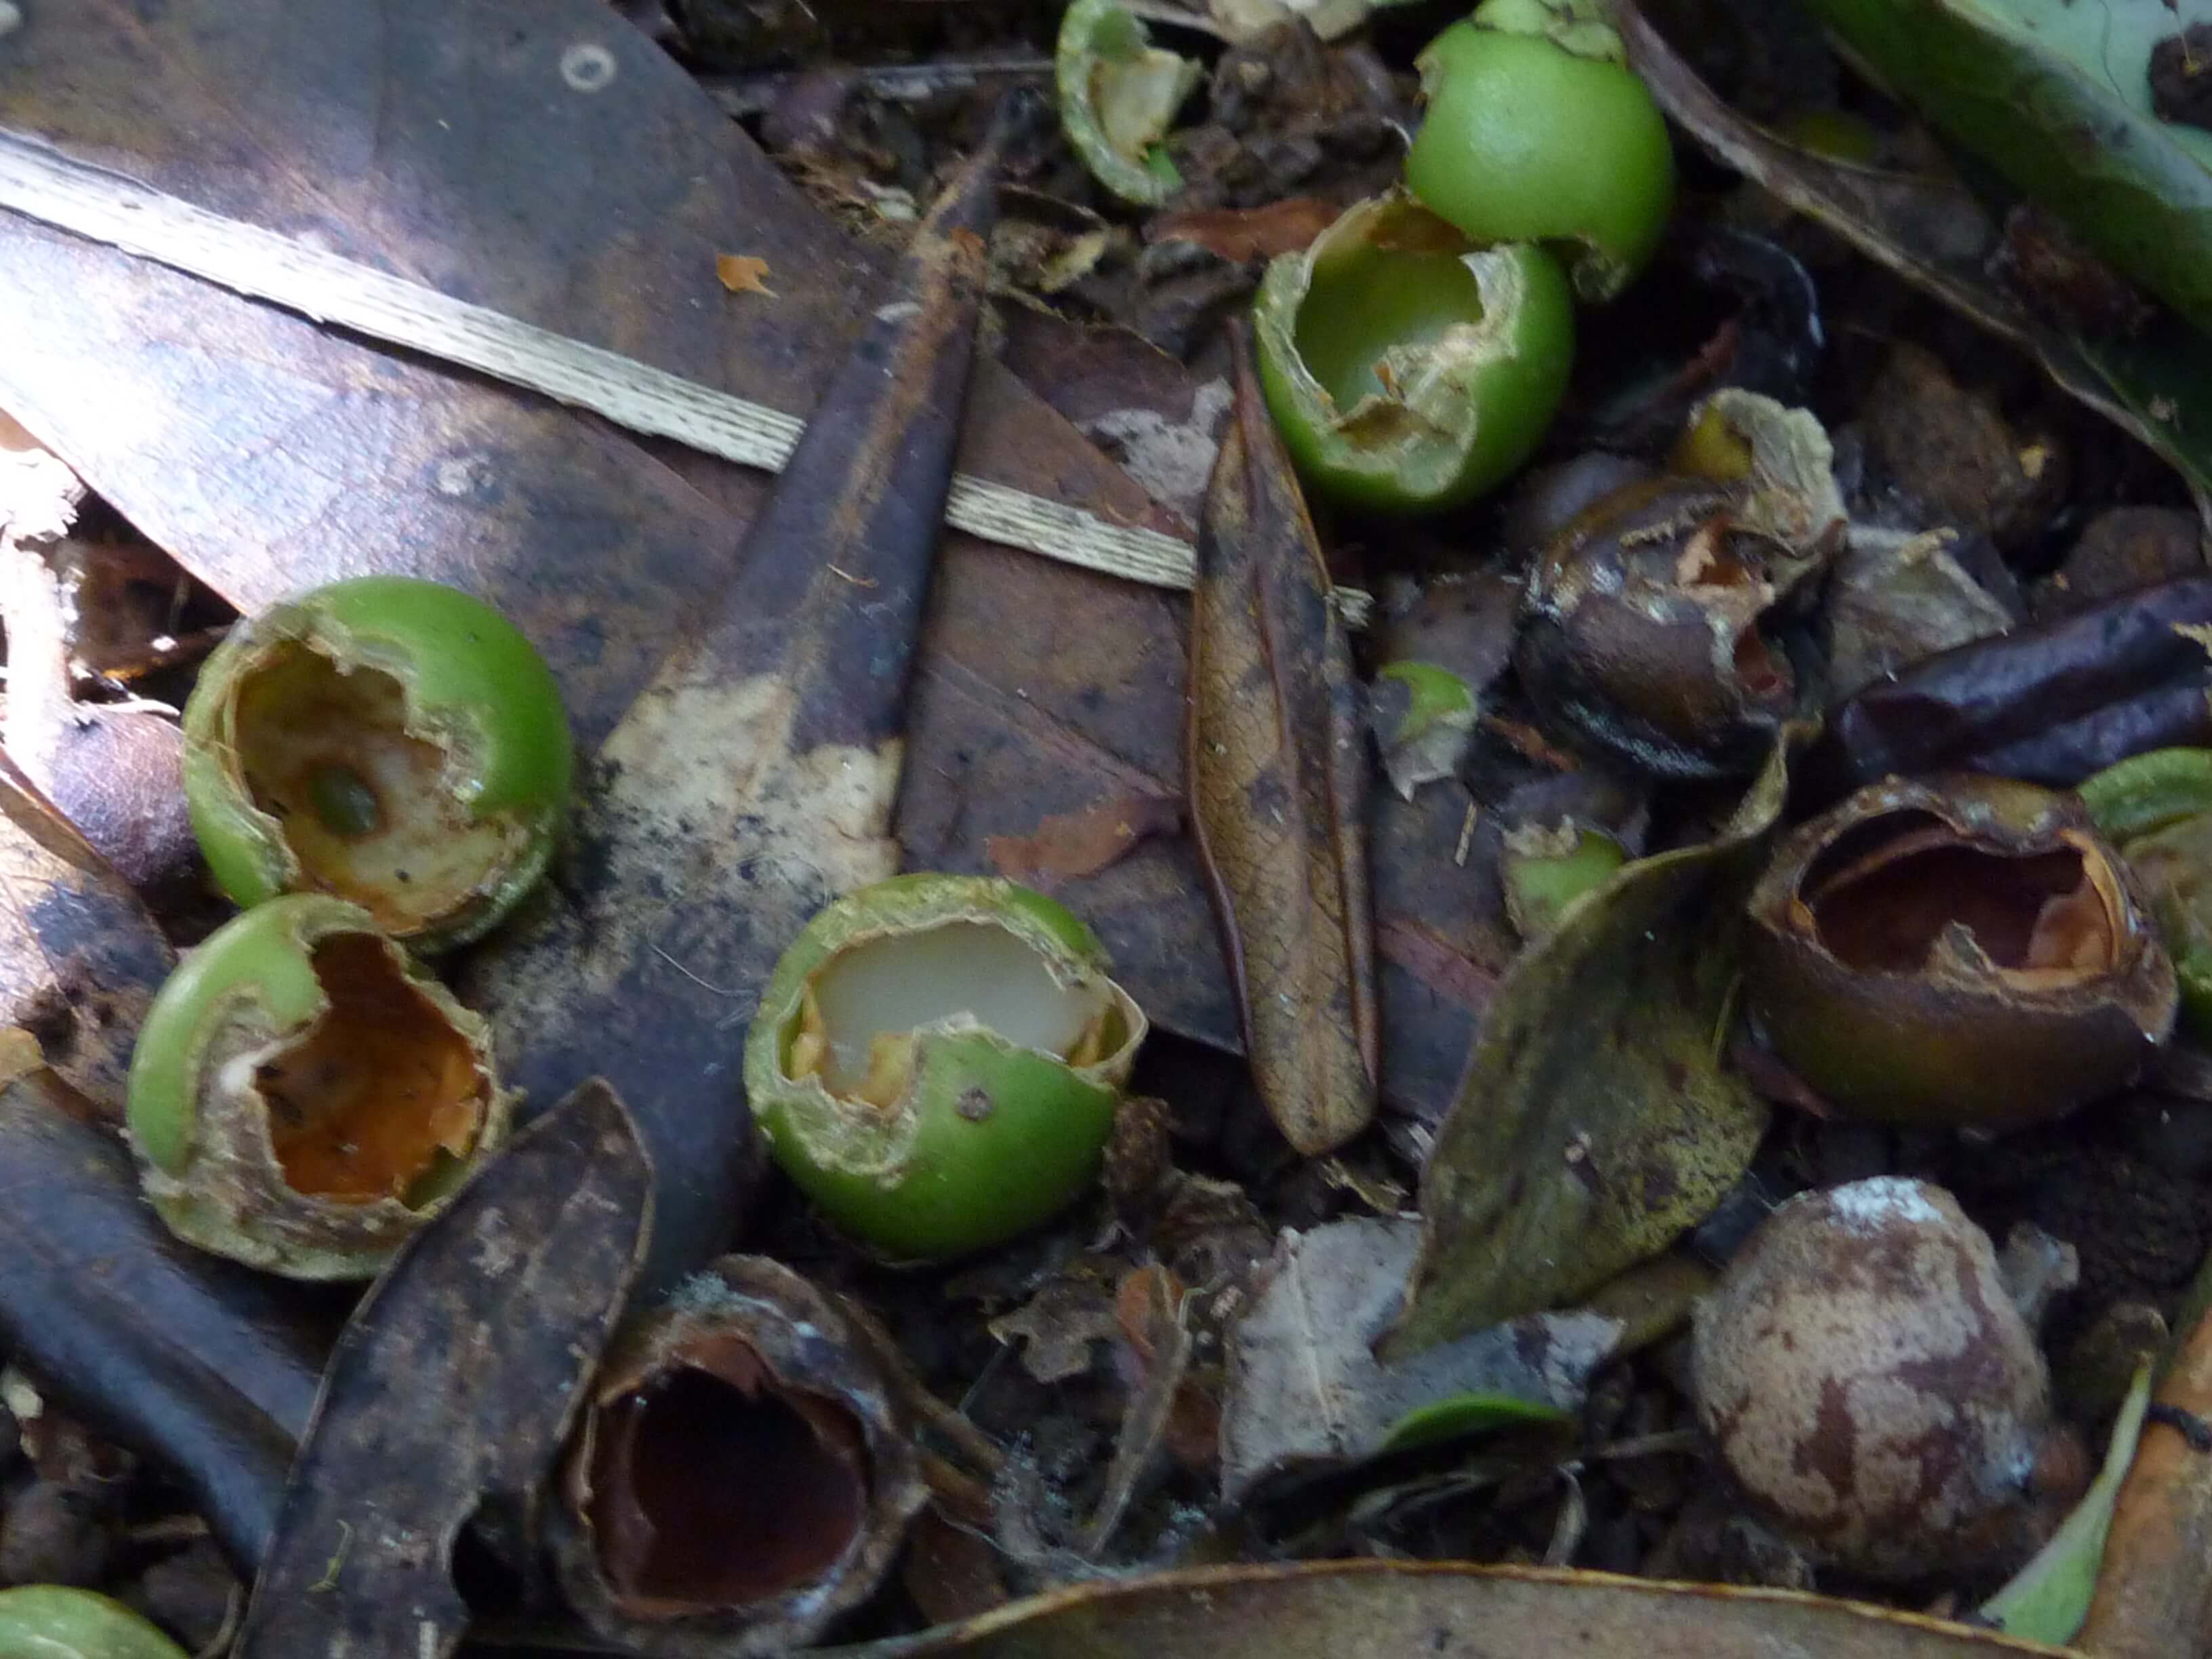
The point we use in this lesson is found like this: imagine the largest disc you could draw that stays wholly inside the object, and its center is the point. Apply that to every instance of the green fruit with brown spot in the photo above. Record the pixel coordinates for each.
(937, 1060)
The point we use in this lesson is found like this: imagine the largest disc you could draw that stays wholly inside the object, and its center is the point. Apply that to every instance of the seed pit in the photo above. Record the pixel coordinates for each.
(1885, 893)
(714, 1486)
(380, 1092)
(861, 1007)
(373, 812)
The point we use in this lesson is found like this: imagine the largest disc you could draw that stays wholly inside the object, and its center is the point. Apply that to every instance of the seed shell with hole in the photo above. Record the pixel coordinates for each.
(936, 1062)
(391, 741)
(302, 1097)
(1961, 951)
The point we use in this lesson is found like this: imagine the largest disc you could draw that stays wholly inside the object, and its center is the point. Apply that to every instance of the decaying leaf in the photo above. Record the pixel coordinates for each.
(1242, 235)
(743, 273)
(1306, 1391)
(79, 955)
(752, 781)
(451, 1389)
(194, 1361)
(2157, 385)
(1277, 772)
(1596, 1119)
(1324, 1610)
(1891, 602)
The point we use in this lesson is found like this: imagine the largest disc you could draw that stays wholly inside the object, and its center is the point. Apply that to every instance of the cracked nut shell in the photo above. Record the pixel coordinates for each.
(1642, 631)
(936, 1062)
(1963, 951)
(303, 1097)
(391, 741)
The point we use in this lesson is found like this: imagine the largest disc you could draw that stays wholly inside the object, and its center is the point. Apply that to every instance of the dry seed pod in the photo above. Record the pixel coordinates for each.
(1642, 631)
(1964, 952)
(1872, 1389)
(741, 1475)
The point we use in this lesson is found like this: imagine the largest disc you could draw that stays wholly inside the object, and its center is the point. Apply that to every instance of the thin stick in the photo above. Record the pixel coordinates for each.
(41, 183)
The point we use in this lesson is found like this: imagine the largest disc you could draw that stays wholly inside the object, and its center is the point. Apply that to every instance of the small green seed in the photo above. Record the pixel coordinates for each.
(344, 800)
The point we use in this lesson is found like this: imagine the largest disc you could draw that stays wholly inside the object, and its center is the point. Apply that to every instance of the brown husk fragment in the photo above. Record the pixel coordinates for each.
(1277, 771)
(1643, 636)
(1964, 952)
(742, 1475)
(451, 1389)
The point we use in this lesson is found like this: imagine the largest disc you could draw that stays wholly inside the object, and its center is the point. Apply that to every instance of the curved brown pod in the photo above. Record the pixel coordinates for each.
(1964, 952)
(742, 1475)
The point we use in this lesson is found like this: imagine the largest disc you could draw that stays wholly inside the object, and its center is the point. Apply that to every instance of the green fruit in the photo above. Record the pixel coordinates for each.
(1537, 130)
(1408, 368)
(53, 1621)
(2157, 807)
(302, 1097)
(1118, 92)
(392, 742)
(1544, 870)
(937, 1060)
(1961, 952)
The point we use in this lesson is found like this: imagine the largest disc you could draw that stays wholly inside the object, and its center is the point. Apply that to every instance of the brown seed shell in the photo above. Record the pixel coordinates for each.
(1962, 952)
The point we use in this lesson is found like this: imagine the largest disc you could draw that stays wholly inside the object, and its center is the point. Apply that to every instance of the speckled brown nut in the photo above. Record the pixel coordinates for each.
(1964, 952)
(1874, 1392)
(1642, 631)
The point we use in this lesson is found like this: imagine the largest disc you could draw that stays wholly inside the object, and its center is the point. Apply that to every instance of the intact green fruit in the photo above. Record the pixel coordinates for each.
(1409, 368)
(302, 1097)
(1961, 952)
(54, 1621)
(937, 1060)
(1537, 130)
(392, 742)
(1118, 92)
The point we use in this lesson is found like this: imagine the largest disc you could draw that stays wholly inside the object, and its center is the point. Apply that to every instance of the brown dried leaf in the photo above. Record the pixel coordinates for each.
(1240, 234)
(743, 273)
(1276, 773)
(1324, 1610)
(1083, 843)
